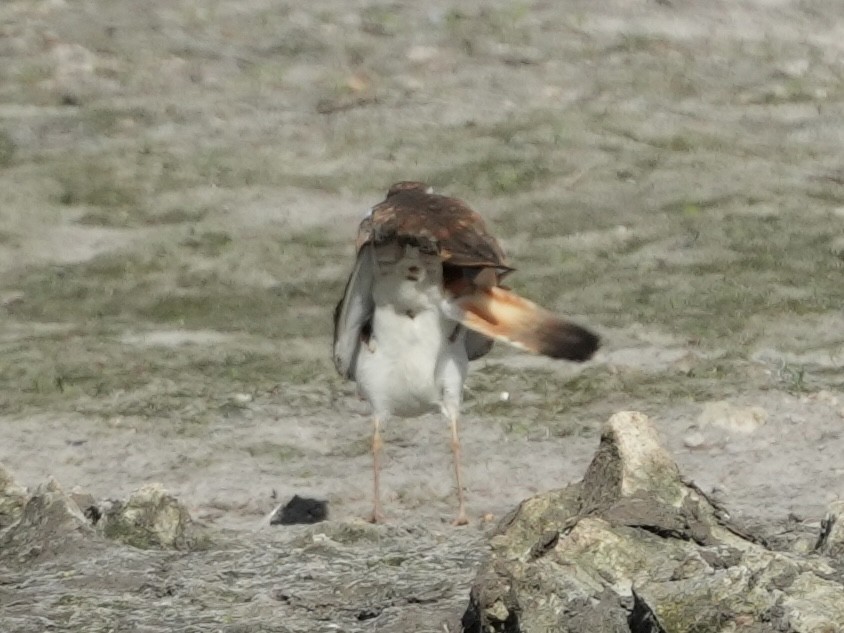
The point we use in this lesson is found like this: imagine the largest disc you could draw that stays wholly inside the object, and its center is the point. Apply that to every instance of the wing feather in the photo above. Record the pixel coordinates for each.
(502, 315)
(474, 265)
(477, 345)
(411, 214)
(353, 313)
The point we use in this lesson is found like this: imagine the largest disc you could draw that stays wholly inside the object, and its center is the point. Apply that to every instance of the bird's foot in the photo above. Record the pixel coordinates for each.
(461, 519)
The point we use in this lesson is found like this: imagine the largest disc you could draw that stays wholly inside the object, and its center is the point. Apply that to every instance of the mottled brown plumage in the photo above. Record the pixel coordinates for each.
(412, 214)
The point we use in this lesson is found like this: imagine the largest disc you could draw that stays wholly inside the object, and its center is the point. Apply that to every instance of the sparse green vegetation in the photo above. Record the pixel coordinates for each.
(545, 402)
(101, 375)
(179, 189)
(495, 174)
(274, 451)
(112, 120)
(122, 217)
(209, 243)
(7, 149)
(504, 24)
(658, 270)
(96, 183)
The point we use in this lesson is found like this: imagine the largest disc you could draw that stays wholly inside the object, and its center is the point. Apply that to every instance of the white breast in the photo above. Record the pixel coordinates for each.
(410, 364)
(397, 374)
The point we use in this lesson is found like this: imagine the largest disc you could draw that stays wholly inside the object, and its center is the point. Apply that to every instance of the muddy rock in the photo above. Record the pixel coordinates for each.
(12, 499)
(831, 539)
(150, 518)
(50, 519)
(635, 547)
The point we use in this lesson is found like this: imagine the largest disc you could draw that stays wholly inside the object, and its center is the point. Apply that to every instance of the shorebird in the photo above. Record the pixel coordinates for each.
(424, 298)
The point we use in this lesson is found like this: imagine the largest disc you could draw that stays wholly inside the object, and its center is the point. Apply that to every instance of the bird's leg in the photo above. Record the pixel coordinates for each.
(461, 519)
(377, 515)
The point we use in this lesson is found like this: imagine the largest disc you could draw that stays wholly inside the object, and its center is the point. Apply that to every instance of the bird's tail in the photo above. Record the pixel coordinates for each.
(505, 316)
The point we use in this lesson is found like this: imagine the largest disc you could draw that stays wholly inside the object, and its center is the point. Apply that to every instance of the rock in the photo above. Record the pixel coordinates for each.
(824, 396)
(694, 440)
(300, 510)
(831, 538)
(150, 518)
(635, 547)
(85, 501)
(723, 415)
(12, 499)
(49, 521)
(794, 68)
(422, 54)
(630, 459)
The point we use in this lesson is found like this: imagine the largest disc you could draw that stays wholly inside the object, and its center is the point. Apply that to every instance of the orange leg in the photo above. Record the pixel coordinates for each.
(377, 515)
(461, 519)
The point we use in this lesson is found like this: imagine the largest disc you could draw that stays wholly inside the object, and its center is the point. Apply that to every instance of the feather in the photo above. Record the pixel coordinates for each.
(477, 345)
(504, 316)
(353, 314)
(412, 215)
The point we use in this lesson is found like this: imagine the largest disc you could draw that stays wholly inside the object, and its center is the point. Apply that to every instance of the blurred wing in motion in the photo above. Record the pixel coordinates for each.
(505, 316)
(353, 314)
(474, 266)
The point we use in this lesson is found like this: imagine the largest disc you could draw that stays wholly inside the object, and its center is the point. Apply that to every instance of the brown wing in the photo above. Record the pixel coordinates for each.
(411, 214)
(502, 315)
(473, 266)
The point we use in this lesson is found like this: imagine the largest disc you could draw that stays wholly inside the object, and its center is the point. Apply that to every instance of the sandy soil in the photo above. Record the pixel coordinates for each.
(180, 184)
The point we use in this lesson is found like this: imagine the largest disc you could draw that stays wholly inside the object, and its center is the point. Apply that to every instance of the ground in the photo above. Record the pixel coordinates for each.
(180, 184)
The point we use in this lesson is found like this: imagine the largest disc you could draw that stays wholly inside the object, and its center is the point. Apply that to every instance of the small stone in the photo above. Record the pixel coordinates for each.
(421, 54)
(795, 68)
(695, 439)
(12, 499)
(497, 612)
(724, 415)
(831, 538)
(825, 396)
(358, 82)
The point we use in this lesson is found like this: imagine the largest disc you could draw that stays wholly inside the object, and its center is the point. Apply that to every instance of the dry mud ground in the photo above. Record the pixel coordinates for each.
(179, 184)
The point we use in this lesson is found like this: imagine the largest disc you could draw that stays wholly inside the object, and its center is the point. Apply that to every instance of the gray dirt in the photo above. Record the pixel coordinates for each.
(179, 187)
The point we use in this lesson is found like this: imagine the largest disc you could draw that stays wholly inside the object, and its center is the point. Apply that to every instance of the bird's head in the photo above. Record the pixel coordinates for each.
(409, 185)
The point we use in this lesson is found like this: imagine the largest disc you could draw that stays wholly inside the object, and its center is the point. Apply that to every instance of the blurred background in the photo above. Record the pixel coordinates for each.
(180, 184)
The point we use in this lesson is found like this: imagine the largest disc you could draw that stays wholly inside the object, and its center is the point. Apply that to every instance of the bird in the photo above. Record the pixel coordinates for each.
(425, 297)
